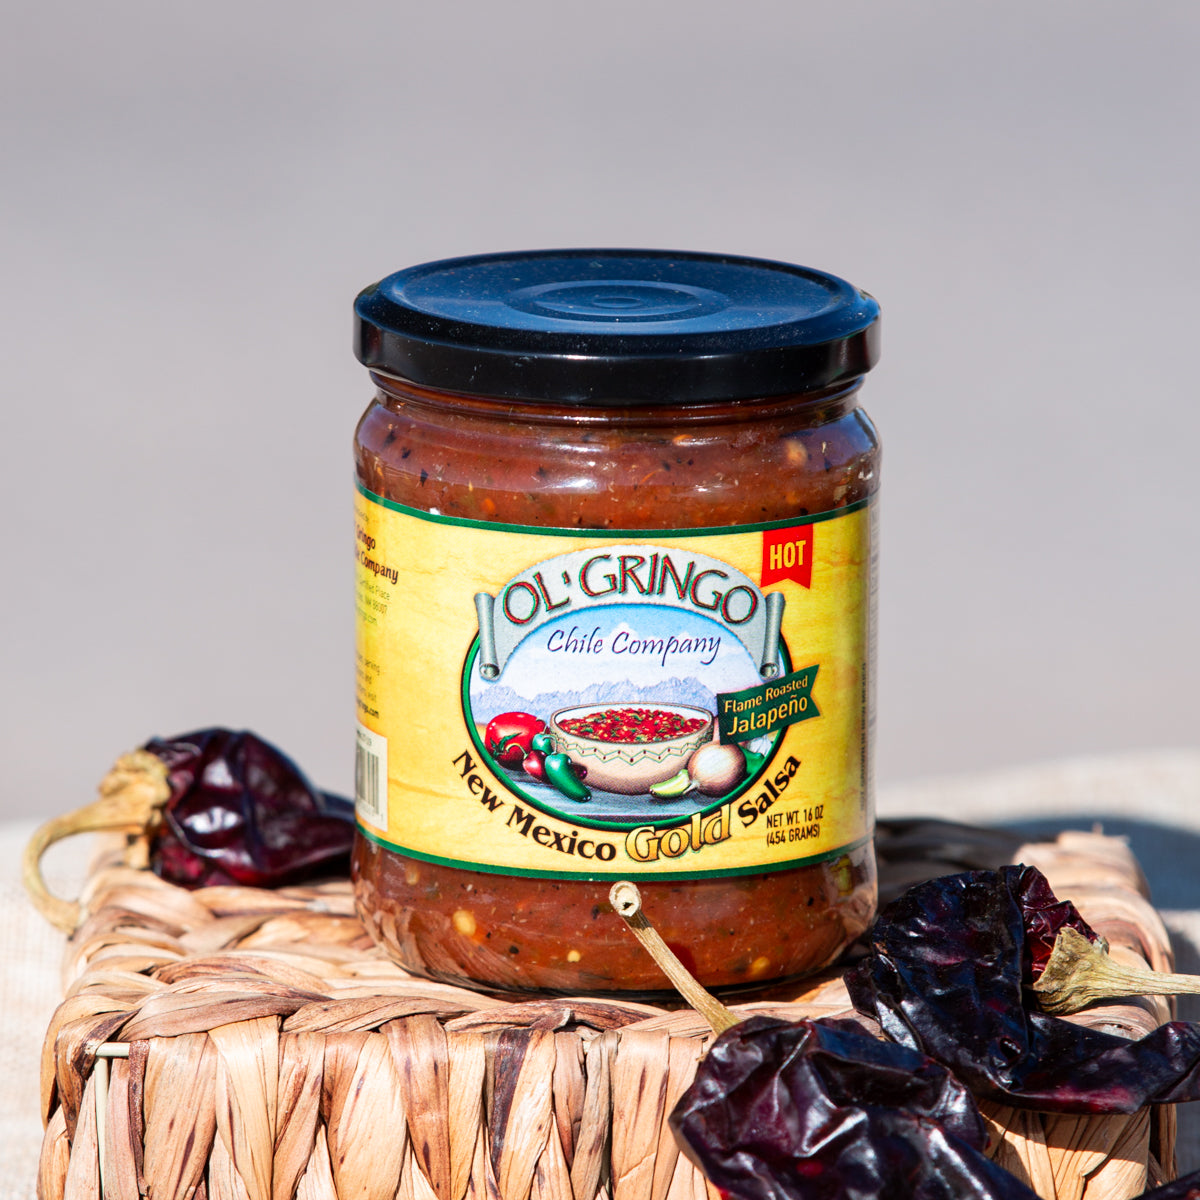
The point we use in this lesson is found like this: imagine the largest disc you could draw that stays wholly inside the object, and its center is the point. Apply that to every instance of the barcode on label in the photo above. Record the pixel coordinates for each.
(370, 778)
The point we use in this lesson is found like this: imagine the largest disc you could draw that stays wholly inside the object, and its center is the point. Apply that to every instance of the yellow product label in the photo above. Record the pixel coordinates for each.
(632, 703)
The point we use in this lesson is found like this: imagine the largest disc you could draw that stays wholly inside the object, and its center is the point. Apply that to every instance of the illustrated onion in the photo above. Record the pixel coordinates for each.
(715, 768)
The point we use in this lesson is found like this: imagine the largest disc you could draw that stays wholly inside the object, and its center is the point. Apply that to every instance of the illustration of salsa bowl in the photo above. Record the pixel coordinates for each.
(629, 747)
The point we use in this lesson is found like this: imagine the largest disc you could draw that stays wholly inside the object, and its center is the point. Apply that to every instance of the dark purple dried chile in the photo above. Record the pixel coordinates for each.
(1186, 1187)
(1043, 915)
(819, 1111)
(241, 812)
(946, 974)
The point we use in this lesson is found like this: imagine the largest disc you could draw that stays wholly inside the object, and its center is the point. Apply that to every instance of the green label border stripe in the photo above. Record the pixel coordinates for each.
(605, 876)
(581, 533)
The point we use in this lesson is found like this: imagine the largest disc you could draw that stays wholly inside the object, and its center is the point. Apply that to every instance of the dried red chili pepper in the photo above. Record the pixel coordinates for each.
(1186, 1187)
(946, 974)
(242, 812)
(818, 1110)
(1043, 917)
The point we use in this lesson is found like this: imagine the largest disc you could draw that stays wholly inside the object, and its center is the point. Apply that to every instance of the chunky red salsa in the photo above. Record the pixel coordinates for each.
(712, 465)
(632, 725)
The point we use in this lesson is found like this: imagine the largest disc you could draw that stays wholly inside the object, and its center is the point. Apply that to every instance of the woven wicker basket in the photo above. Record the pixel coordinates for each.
(239, 1044)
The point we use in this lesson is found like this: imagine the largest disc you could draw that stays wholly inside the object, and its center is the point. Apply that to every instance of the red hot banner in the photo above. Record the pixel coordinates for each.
(788, 554)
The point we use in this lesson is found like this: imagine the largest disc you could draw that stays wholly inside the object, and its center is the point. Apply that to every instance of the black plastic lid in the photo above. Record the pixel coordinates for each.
(616, 326)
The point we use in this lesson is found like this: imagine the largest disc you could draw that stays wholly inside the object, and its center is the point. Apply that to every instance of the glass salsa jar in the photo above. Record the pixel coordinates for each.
(615, 548)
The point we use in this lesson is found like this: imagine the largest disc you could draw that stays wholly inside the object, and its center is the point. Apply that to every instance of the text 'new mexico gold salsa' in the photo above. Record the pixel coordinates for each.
(615, 547)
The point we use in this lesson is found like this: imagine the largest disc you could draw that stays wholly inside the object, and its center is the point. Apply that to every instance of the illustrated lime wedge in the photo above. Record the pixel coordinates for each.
(679, 783)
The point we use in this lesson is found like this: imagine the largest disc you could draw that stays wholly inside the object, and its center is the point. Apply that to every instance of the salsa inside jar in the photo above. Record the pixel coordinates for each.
(640, 537)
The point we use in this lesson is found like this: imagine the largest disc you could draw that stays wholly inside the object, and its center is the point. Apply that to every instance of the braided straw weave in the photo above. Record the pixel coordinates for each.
(241, 1044)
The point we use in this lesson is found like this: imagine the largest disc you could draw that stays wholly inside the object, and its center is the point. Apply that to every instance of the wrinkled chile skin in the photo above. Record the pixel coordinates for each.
(702, 465)
(946, 974)
(242, 812)
(817, 1110)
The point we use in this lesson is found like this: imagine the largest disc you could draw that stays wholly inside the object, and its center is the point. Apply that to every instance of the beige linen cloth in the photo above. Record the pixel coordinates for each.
(1154, 798)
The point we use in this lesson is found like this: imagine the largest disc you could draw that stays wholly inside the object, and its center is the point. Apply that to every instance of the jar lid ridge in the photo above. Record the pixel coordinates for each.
(594, 326)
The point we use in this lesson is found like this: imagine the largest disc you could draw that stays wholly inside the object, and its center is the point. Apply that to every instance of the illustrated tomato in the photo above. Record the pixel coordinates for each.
(509, 737)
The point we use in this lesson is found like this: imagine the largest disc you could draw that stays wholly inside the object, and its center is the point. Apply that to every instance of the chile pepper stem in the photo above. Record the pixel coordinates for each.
(1080, 972)
(627, 900)
(131, 798)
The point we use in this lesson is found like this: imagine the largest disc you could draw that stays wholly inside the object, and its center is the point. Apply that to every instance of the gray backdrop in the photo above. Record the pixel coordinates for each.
(193, 194)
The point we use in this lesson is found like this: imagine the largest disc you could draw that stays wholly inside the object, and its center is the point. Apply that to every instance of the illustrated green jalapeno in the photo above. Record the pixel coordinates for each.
(560, 771)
